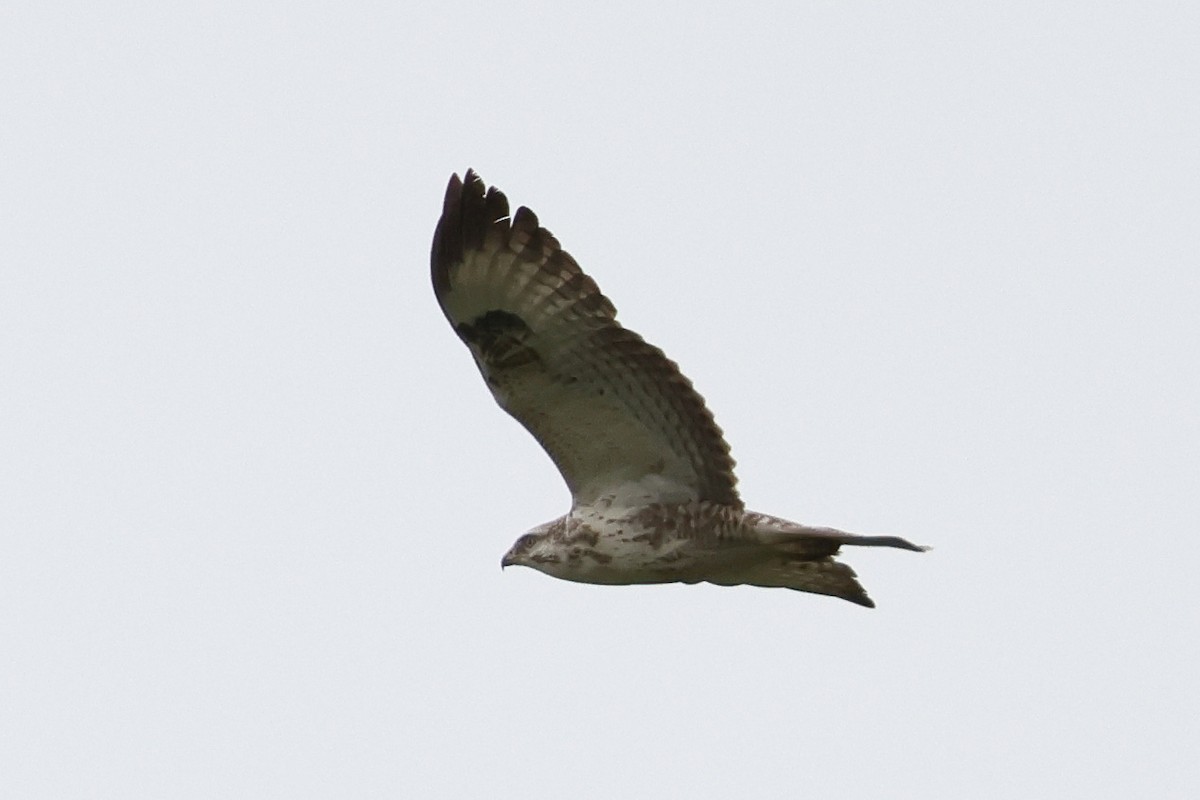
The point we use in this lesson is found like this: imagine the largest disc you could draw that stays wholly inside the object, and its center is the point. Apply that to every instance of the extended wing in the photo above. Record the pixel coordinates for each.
(607, 406)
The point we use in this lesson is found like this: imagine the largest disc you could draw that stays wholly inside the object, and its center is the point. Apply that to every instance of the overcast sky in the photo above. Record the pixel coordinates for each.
(935, 267)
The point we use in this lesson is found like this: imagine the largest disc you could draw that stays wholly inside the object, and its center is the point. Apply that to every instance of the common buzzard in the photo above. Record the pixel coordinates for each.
(652, 485)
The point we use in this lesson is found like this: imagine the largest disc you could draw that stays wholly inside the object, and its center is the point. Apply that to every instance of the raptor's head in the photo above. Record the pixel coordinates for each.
(534, 549)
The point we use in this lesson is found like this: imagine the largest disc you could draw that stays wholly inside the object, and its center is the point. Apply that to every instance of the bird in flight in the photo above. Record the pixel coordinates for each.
(653, 494)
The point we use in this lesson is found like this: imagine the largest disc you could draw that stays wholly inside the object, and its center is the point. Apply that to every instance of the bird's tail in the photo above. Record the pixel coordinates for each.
(802, 557)
(815, 541)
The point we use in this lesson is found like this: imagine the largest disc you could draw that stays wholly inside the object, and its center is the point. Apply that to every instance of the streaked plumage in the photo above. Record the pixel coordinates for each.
(651, 478)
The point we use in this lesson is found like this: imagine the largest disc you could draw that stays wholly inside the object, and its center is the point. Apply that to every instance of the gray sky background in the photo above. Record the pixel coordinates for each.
(935, 267)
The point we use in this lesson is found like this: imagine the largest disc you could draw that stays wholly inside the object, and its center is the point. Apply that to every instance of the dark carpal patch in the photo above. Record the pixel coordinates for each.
(499, 337)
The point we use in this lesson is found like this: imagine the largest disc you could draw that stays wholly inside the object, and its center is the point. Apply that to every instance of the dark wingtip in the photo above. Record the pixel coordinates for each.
(860, 599)
(447, 238)
(463, 224)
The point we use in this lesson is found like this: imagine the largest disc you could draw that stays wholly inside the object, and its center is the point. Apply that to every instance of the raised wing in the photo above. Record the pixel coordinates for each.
(607, 406)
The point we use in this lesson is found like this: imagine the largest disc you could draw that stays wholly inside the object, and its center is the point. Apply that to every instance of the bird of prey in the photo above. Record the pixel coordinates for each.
(651, 478)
